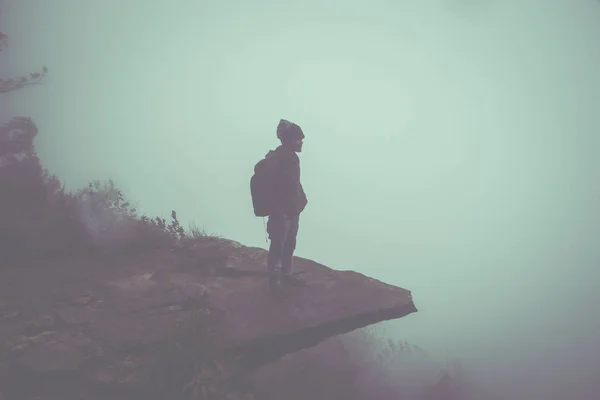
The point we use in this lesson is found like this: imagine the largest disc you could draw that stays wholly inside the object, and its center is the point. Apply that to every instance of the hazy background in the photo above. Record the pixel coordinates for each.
(452, 148)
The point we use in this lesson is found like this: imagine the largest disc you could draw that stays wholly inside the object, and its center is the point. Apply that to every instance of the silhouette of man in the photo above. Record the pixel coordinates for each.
(289, 201)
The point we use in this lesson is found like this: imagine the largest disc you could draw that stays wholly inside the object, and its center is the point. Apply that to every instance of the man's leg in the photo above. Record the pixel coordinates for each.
(289, 245)
(276, 231)
(274, 257)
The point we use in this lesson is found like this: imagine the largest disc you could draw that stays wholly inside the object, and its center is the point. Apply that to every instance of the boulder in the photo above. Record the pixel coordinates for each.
(331, 303)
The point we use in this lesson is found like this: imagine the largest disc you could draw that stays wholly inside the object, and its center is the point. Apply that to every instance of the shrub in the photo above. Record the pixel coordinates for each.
(358, 366)
(40, 218)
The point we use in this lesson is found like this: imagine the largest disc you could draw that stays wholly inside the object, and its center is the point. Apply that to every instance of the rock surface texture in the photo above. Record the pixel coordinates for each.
(98, 322)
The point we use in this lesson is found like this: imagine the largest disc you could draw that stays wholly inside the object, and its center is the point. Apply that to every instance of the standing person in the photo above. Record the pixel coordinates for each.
(278, 194)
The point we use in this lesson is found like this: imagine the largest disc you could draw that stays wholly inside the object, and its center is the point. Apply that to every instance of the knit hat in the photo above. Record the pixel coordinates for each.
(287, 130)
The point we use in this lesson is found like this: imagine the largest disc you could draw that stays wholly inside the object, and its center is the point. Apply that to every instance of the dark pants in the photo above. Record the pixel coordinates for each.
(282, 233)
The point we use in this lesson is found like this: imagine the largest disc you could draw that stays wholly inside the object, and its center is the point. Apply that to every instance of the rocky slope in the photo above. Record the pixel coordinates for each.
(100, 323)
(184, 319)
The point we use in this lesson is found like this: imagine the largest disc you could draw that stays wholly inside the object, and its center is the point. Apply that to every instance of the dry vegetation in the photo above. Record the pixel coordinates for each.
(41, 219)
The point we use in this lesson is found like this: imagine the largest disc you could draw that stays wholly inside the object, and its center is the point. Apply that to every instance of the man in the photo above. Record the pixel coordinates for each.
(289, 200)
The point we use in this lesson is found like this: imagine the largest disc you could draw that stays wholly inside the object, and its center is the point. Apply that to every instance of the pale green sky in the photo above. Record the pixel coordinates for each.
(451, 145)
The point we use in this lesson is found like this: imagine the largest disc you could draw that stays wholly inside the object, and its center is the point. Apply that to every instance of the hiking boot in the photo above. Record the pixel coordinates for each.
(290, 280)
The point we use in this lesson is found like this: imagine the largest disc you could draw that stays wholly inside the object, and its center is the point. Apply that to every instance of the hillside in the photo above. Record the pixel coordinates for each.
(98, 302)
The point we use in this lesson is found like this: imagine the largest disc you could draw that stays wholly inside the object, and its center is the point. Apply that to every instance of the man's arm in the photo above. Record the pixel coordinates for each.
(289, 188)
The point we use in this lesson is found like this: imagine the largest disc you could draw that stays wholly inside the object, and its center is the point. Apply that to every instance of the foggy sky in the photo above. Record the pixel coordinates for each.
(452, 147)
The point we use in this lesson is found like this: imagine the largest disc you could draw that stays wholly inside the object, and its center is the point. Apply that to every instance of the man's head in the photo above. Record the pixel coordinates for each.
(290, 134)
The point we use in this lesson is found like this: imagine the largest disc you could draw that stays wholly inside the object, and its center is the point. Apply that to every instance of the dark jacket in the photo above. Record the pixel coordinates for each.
(290, 198)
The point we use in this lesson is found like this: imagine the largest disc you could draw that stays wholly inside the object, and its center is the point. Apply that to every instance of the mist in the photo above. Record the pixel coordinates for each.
(452, 148)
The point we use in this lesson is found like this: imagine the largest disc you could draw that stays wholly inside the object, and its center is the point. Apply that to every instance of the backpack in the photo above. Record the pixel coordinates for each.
(262, 185)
